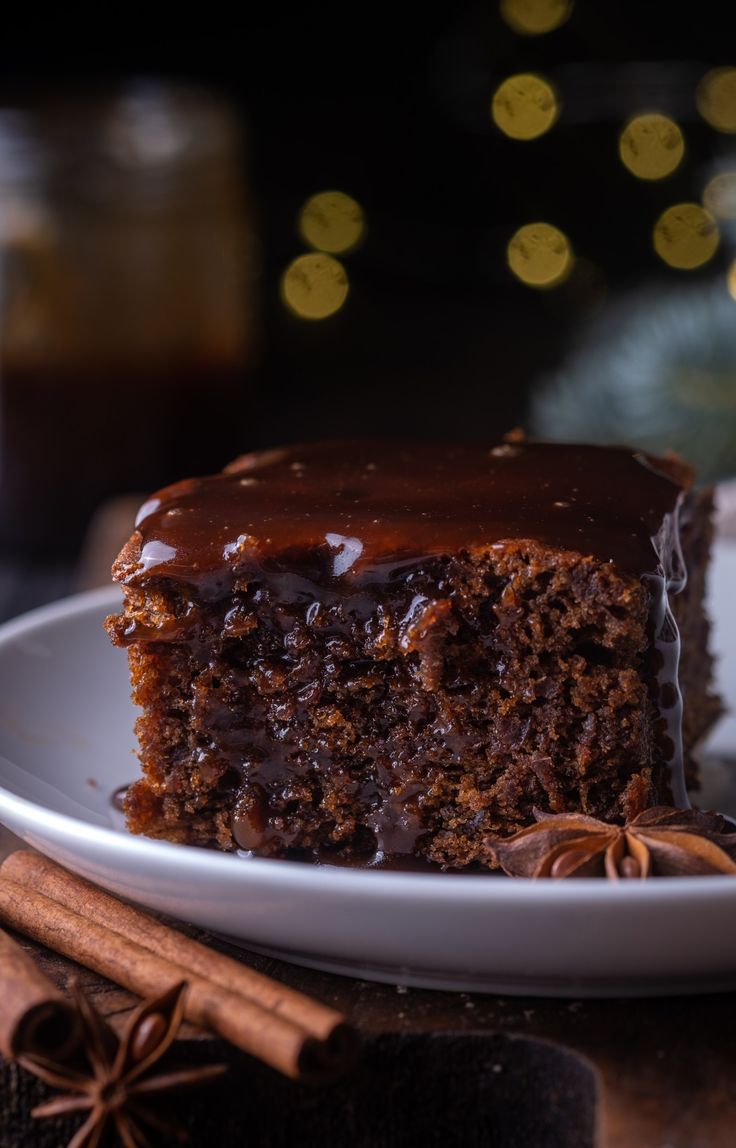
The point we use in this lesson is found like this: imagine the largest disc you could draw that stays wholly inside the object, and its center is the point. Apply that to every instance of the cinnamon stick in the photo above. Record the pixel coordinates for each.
(35, 1019)
(264, 1034)
(44, 875)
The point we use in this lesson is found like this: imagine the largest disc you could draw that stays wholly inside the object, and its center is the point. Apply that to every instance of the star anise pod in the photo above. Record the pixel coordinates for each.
(660, 842)
(114, 1085)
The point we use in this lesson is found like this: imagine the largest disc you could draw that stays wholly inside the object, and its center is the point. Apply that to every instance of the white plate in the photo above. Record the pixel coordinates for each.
(66, 744)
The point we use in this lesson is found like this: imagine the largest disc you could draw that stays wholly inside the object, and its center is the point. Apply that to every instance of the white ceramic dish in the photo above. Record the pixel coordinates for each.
(66, 744)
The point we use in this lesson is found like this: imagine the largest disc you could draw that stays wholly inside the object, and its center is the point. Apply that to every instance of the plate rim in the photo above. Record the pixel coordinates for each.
(438, 887)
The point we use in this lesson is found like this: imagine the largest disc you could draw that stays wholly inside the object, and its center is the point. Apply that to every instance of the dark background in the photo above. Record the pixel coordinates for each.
(391, 104)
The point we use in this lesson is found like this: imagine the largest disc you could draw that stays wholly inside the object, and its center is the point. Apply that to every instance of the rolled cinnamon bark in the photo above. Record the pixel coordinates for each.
(35, 1019)
(81, 896)
(266, 1035)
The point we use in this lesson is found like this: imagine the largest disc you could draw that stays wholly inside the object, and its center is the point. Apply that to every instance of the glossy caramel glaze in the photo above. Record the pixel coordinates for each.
(365, 506)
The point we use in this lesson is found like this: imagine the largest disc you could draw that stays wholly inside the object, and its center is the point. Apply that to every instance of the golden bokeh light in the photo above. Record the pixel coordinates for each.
(720, 195)
(524, 106)
(540, 255)
(716, 99)
(535, 17)
(314, 286)
(332, 221)
(686, 236)
(731, 280)
(651, 146)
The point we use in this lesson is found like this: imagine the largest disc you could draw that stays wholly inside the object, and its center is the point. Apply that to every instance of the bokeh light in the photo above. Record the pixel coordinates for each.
(651, 146)
(731, 280)
(535, 17)
(540, 255)
(686, 236)
(719, 195)
(524, 106)
(314, 286)
(332, 221)
(716, 99)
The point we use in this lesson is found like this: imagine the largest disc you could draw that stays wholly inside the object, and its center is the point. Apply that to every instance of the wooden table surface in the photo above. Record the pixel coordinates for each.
(437, 1068)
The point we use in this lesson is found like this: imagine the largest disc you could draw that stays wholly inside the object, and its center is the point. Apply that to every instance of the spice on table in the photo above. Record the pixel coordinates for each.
(660, 842)
(115, 1086)
(323, 1023)
(316, 1047)
(34, 1016)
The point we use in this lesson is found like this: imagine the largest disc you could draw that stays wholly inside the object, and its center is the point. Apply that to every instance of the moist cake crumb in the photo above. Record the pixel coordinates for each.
(364, 650)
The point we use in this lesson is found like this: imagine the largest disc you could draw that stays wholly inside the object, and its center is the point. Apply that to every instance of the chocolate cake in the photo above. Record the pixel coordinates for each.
(367, 650)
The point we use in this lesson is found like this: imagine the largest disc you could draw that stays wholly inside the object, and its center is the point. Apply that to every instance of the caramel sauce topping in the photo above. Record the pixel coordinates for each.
(366, 504)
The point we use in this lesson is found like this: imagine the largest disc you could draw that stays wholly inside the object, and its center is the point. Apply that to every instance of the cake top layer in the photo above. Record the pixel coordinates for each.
(365, 503)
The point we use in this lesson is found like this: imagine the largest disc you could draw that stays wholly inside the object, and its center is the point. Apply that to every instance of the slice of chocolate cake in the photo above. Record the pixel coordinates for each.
(362, 650)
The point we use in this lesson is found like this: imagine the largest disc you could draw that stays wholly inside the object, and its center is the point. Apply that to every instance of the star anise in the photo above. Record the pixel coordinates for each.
(113, 1084)
(660, 842)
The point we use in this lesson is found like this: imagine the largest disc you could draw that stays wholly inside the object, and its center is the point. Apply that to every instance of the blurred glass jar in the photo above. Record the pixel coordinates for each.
(128, 264)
